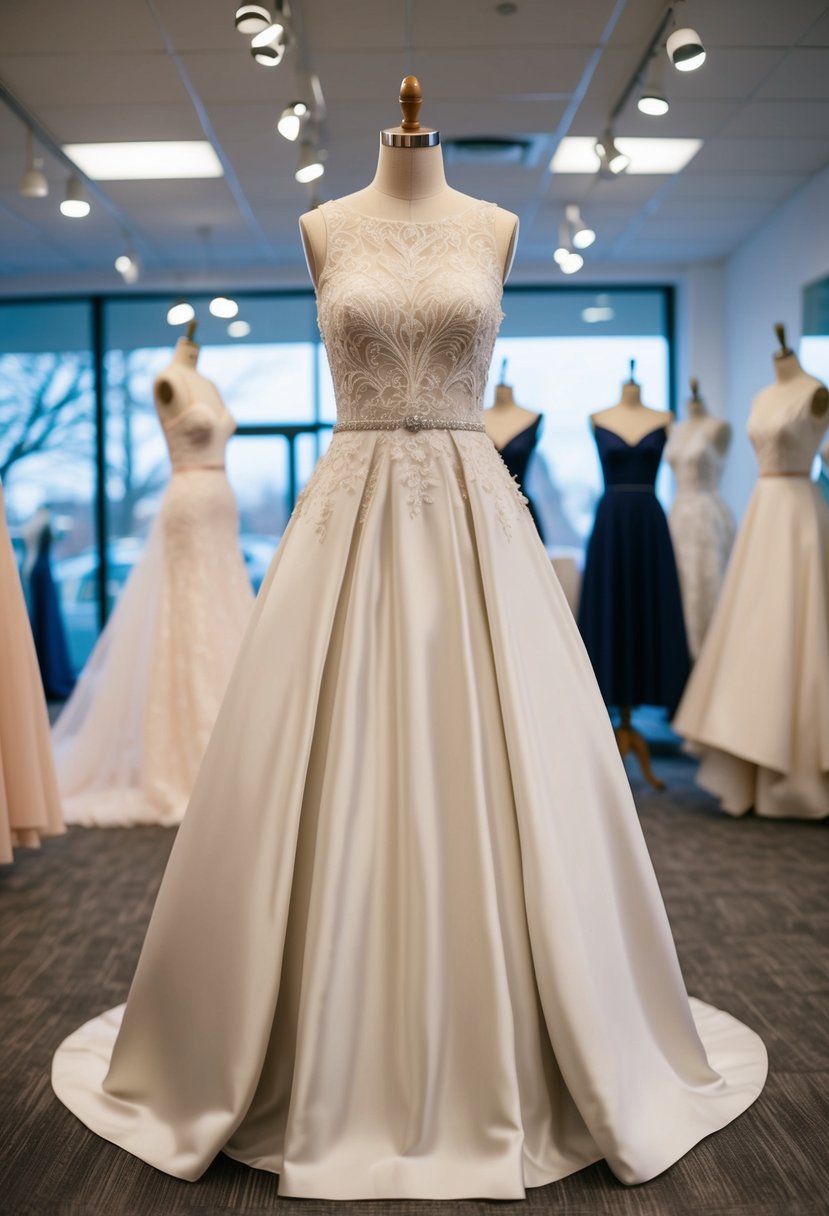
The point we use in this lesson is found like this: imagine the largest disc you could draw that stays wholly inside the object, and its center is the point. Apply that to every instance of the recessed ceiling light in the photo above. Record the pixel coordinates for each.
(146, 161)
(577, 154)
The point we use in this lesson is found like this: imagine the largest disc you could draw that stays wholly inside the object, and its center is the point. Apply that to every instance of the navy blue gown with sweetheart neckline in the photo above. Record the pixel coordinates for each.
(630, 613)
(516, 454)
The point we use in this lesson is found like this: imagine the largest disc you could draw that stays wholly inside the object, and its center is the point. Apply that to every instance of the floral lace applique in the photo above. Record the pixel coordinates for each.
(342, 470)
(483, 465)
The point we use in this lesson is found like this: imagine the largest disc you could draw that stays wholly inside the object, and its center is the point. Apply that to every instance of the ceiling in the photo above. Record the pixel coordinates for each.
(176, 69)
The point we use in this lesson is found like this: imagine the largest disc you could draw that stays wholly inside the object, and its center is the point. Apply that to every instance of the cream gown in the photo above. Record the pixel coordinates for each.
(132, 735)
(756, 708)
(428, 957)
(29, 801)
(702, 526)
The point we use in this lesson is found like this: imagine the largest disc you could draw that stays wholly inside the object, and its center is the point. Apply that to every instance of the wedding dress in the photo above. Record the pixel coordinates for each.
(702, 526)
(132, 735)
(756, 709)
(29, 801)
(426, 955)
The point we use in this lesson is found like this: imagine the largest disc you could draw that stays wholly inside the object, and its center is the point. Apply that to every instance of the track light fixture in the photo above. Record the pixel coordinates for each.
(612, 161)
(180, 313)
(128, 266)
(252, 18)
(311, 163)
(75, 206)
(581, 236)
(33, 183)
(223, 306)
(291, 120)
(238, 329)
(268, 46)
(652, 99)
(684, 45)
(565, 257)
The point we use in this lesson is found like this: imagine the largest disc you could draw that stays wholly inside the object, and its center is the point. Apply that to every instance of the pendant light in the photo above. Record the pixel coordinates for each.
(33, 183)
(180, 313)
(581, 236)
(565, 257)
(311, 163)
(128, 266)
(75, 206)
(612, 161)
(252, 18)
(238, 329)
(291, 120)
(223, 306)
(652, 100)
(268, 46)
(684, 45)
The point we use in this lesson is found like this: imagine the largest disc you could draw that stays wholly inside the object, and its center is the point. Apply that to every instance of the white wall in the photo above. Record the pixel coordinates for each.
(764, 280)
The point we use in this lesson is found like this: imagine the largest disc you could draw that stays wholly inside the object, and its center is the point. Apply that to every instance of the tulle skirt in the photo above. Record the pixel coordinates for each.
(29, 801)
(409, 942)
(756, 709)
(131, 737)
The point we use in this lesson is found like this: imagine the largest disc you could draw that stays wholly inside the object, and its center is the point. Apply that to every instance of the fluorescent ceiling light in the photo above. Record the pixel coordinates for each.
(577, 154)
(146, 161)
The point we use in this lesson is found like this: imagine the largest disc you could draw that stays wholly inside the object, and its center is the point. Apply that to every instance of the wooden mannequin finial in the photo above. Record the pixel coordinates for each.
(502, 379)
(411, 99)
(191, 329)
(632, 377)
(694, 384)
(780, 330)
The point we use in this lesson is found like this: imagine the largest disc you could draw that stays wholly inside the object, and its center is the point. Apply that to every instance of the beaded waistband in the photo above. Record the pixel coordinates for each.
(413, 422)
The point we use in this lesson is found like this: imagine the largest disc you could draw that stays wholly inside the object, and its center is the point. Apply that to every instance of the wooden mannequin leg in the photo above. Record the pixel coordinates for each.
(629, 740)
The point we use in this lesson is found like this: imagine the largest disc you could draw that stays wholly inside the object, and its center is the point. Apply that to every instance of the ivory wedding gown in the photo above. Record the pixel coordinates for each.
(29, 801)
(132, 735)
(426, 956)
(702, 526)
(756, 709)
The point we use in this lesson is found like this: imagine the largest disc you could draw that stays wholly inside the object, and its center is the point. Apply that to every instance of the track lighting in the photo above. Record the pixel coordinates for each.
(612, 162)
(180, 313)
(128, 266)
(268, 46)
(565, 257)
(581, 236)
(74, 205)
(602, 310)
(252, 18)
(311, 163)
(291, 120)
(684, 45)
(223, 306)
(238, 329)
(33, 183)
(652, 99)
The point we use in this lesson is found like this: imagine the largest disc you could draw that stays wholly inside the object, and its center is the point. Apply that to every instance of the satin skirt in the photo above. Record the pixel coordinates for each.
(410, 942)
(29, 801)
(130, 739)
(756, 709)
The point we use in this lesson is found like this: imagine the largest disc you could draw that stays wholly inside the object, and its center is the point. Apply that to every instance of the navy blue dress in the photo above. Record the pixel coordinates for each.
(630, 613)
(516, 456)
(47, 625)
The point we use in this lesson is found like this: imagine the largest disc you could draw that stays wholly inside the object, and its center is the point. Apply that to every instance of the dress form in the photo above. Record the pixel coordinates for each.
(791, 381)
(505, 418)
(629, 418)
(698, 418)
(409, 185)
(180, 384)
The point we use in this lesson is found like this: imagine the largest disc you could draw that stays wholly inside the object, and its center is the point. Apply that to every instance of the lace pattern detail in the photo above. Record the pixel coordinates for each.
(342, 470)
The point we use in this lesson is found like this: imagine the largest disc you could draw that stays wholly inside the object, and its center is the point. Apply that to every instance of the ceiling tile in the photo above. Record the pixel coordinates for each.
(91, 78)
(802, 75)
(761, 156)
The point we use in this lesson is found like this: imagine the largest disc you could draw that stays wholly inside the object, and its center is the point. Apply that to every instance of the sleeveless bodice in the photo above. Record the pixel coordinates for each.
(517, 451)
(696, 462)
(784, 432)
(629, 465)
(409, 313)
(197, 437)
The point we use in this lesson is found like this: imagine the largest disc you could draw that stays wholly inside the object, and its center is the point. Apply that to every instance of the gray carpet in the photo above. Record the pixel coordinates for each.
(749, 904)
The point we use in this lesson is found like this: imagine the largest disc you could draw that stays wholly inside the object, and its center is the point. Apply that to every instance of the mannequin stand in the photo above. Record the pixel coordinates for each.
(629, 740)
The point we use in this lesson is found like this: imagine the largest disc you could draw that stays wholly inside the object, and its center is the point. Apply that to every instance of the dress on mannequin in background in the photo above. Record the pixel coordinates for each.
(29, 801)
(630, 612)
(131, 737)
(426, 956)
(702, 526)
(48, 629)
(516, 455)
(756, 708)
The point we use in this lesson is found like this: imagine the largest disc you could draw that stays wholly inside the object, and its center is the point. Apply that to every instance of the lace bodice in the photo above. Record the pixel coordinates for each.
(783, 430)
(696, 462)
(198, 435)
(409, 313)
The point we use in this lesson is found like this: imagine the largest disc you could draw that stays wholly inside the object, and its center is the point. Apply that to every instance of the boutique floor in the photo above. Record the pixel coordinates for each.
(749, 905)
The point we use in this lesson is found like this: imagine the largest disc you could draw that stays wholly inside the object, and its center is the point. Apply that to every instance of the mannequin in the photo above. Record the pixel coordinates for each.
(180, 384)
(629, 418)
(791, 383)
(505, 418)
(409, 184)
(698, 419)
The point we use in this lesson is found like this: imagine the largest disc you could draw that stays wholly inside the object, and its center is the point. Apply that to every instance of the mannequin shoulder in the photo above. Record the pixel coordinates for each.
(721, 434)
(169, 393)
(506, 236)
(820, 401)
(314, 241)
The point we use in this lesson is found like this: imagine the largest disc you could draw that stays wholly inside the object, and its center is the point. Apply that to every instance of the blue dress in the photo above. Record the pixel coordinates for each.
(48, 628)
(630, 613)
(516, 456)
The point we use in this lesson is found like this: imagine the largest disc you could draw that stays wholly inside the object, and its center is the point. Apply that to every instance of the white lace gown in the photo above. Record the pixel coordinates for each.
(702, 526)
(430, 959)
(130, 739)
(756, 708)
